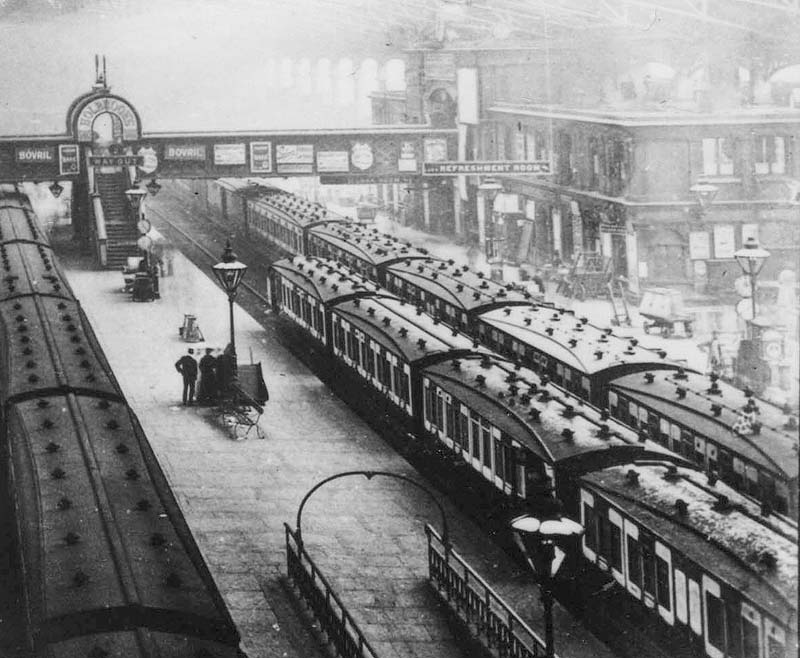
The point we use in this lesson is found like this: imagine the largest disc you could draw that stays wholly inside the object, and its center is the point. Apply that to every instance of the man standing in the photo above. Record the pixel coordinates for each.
(187, 366)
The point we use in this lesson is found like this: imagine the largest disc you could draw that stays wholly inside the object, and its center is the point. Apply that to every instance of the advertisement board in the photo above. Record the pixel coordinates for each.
(69, 163)
(333, 161)
(185, 152)
(229, 154)
(261, 157)
(294, 158)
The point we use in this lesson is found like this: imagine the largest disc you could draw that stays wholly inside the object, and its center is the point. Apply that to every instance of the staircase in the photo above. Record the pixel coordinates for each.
(121, 228)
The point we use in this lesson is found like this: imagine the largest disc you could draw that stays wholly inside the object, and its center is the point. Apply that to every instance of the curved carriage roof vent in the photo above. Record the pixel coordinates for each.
(527, 322)
(649, 377)
(681, 392)
(370, 310)
(480, 380)
(768, 560)
(603, 431)
(568, 434)
(548, 331)
(716, 410)
(481, 275)
(634, 342)
(484, 284)
(387, 321)
(598, 354)
(714, 389)
(680, 374)
(573, 342)
(671, 474)
(460, 287)
(662, 354)
(335, 287)
(643, 436)
(507, 311)
(681, 507)
(722, 504)
(578, 327)
(630, 350)
(476, 295)
(486, 362)
(442, 266)
(603, 339)
(632, 478)
(569, 411)
(555, 317)
(403, 332)
(535, 414)
(421, 343)
(501, 293)
(434, 275)
(455, 364)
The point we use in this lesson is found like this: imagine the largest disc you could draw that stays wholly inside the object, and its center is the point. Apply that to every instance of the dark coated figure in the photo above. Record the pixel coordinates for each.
(207, 391)
(187, 366)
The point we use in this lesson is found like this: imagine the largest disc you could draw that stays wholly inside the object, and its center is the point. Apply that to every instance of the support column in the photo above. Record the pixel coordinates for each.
(457, 211)
(426, 207)
(396, 197)
(481, 212)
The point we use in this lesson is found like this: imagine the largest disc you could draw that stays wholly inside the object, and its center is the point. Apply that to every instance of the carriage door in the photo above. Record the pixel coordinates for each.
(751, 632)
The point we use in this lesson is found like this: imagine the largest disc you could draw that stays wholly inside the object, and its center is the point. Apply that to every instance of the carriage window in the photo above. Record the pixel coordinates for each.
(616, 546)
(662, 583)
(648, 569)
(440, 408)
(451, 417)
(715, 619)
(776, 641)
(429, 404)
(590, 538)
(476, 435)
(634, 561)
(464, 429)
(751, 631)
(486, 443)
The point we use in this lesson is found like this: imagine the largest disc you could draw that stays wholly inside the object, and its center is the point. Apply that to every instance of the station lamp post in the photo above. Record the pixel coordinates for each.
(229, 273)
(751, 259)
(135, 196)
(538, 537)
(153, 187)
(489, 188)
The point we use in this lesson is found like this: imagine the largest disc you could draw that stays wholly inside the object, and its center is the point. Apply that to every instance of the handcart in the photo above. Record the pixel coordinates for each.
(662, 309)
(242, 402)
(190, 330)
(588, 276)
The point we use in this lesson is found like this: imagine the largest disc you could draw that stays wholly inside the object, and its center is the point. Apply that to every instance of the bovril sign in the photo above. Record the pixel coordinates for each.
(35, 154)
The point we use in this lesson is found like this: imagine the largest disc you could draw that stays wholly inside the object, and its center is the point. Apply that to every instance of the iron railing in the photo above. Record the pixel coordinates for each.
(498, 628)
(338, 625)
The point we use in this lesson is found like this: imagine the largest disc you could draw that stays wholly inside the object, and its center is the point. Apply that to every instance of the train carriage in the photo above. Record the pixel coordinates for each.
(700, 559)
(386, 341)
(303, 288)
(102, 557)
(453, 293)
(570, 350)
(365, 250)
(750, 444)
(523, 435)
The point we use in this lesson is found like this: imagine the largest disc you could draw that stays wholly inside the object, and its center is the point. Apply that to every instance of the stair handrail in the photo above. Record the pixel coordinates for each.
(100, 229)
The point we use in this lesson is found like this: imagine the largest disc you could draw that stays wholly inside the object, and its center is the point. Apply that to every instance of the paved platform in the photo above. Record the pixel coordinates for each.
(366, 536)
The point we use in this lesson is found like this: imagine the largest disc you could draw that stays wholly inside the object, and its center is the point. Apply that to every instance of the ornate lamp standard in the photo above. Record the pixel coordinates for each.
(538, 536)
(489, 188)
(751, 259)
(135, 196)
(229, 273)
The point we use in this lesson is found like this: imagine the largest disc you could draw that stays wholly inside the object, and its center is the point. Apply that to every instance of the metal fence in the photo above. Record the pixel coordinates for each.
(498, 628)
(334, 620)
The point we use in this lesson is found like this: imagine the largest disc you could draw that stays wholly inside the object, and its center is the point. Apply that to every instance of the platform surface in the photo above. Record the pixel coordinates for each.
(366, 536)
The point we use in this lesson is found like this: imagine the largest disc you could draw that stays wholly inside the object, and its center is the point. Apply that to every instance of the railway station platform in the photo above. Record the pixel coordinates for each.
(366, 536)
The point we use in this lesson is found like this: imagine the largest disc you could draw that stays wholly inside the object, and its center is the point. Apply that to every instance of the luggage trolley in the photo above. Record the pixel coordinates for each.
(662, 309)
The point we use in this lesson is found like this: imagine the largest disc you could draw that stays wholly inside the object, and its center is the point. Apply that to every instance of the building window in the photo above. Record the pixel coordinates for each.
(718, 156)
(769, 154)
